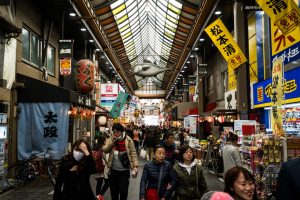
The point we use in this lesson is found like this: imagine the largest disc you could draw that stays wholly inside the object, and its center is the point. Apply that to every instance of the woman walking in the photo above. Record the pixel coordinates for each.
(157, 179)
(240, 184)
(73, 179)
(190, 183)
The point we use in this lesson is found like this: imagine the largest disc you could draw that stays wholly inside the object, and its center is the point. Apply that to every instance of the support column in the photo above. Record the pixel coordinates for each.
(243, 82)
(184, 94)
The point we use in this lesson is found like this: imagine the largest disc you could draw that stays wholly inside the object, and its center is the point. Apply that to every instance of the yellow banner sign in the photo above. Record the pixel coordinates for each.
(223, 40)
(276, 97)
(284, 13)
(280, 42)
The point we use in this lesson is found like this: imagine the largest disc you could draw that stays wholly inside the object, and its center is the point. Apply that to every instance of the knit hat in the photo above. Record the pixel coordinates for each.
(214, 195)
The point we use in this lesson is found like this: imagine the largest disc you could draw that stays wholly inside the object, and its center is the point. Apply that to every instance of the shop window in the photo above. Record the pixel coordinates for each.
(32, 51)
(50, 61)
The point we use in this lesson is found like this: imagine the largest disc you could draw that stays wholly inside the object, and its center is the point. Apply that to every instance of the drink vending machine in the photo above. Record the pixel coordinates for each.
(3, 151)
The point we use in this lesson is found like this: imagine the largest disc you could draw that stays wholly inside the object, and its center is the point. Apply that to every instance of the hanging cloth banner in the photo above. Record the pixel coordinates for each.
(284, 13)
(223, 40)
(43, 125)
(118, 105)
(276, 97)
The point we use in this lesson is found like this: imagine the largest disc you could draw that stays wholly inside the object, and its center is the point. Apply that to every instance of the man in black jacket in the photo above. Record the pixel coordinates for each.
(288, 185)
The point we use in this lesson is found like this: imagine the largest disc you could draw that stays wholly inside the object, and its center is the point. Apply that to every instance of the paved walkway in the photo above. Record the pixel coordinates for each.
(41, 190)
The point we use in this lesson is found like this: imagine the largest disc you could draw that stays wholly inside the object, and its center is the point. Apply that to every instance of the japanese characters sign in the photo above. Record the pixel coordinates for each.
(285, 44)
(109, 93)
(65, 54)
(65, 66)
(43, 125)
(225, 43)
(262, 91)
(276, 96)
(118, 105)
(284, 13)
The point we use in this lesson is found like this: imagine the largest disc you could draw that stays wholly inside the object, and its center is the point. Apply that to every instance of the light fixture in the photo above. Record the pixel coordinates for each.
(83, 29)
(97, 49)
(91, 40)
(185, 67)
(196, 49)
(218, 12)
(102, 56)
(192, 56)
(72, 14)
(107, 62)
(188, 61)
(182, 71)
(201, 39)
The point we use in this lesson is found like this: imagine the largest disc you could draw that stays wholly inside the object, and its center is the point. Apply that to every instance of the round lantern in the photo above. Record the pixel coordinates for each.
(84, 76)
(102, 120)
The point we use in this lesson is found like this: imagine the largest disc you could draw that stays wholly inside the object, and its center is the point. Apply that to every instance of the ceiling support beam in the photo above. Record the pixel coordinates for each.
(200, 23)
(93, 24)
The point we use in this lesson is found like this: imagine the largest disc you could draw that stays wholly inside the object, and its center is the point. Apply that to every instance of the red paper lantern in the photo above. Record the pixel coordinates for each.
(84, 76)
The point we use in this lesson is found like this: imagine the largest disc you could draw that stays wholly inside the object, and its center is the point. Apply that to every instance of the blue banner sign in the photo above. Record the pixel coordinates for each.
(262, 90)
(42, 126)
(118, 105)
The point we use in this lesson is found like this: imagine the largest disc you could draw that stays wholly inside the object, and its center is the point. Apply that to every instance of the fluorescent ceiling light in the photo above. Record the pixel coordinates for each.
(83, 29)
(91, 40)
(72, 14)
(188, 61)
(201, 39)
(97, 49)
(192, 56)
(218, 12)
(196, 49)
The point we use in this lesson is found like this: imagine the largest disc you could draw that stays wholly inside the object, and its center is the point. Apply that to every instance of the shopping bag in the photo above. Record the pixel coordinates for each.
(143, 153)
(152, 194)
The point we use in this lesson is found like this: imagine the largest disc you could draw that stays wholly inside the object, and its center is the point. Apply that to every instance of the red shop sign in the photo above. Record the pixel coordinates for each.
(248, 129)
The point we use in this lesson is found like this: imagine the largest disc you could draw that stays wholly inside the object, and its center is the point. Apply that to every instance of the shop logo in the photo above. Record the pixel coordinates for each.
(260, 94)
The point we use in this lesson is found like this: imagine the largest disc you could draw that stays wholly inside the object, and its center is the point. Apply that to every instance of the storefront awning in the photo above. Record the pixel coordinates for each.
(39, 91)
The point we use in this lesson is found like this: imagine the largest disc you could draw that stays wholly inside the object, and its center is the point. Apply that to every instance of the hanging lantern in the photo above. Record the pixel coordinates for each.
(84, 76)
(102, 120)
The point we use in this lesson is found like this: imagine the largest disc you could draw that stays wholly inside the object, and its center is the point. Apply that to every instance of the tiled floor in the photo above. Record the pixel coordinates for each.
(41, 190)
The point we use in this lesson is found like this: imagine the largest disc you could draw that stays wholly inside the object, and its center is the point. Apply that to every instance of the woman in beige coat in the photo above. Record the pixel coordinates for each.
(122, 159)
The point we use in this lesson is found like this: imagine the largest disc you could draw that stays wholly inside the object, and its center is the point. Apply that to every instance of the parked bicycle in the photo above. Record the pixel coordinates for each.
(25, 171)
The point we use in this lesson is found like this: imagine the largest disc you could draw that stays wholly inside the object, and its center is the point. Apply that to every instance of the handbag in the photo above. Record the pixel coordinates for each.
(152, 194)
(143, 154)
(124, 159)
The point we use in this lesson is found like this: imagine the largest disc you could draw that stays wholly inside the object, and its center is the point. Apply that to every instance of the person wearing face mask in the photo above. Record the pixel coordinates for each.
(73, 179)
(122, 159)
(240, 184)
(190, 182)
(157, 180)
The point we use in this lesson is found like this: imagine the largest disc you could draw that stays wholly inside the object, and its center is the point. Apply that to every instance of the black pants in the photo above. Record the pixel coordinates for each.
(100, 187)
(119, 183)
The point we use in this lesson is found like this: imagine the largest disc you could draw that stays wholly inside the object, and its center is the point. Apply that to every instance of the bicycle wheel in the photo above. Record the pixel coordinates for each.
(52, 169)
(14, 181)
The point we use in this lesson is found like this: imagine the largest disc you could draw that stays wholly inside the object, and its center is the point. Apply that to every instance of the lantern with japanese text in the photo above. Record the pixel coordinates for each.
(84, 76)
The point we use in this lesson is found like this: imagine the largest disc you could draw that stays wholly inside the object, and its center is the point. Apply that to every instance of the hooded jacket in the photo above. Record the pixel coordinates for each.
(186, 180)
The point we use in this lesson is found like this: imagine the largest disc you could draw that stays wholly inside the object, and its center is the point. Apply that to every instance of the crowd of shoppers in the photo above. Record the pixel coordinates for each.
(170, 172)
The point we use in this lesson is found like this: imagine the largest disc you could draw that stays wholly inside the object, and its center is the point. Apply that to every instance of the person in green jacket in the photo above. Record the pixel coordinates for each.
(190, 183)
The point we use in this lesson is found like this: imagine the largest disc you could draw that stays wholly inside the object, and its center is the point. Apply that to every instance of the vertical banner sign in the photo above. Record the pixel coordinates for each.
(43, 125)
(223, 40)
(284, 13)
(65, 66)
(276, 97)
(118, 105)
(65, 54)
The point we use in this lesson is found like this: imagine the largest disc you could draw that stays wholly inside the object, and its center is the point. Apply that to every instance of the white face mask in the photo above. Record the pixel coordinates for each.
(77, 155)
